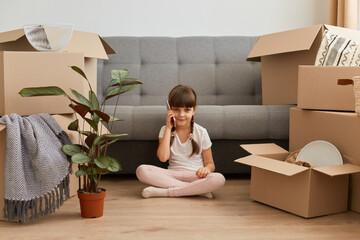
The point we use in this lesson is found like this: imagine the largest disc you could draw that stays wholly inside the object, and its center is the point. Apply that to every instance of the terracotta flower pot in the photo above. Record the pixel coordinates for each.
(92, 204)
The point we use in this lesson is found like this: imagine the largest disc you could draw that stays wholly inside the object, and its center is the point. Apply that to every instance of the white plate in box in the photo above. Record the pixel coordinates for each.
(320, 153)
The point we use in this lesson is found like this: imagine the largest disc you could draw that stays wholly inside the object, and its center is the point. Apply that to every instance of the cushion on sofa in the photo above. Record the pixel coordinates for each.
(215, 67)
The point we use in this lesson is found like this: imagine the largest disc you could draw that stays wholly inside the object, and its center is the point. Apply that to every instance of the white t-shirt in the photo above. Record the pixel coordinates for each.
(180, 152)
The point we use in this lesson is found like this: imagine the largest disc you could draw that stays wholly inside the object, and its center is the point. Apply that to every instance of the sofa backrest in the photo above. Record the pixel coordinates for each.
(215, 67)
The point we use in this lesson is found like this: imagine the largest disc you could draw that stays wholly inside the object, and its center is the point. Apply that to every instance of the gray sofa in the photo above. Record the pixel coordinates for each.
(228, 89)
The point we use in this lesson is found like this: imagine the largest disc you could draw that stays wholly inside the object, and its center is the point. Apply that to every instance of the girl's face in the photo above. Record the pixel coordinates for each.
(183, 115)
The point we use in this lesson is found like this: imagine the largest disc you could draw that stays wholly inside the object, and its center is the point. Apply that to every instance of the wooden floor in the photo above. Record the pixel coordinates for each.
(230, 215)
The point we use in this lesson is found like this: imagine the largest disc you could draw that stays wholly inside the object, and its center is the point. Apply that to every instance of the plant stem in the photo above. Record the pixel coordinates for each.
(112, 122)
(88, 189)
(102, 108)
(82, 149)
(106, 146)
(79, 167)
(85, 179)
(99, 177)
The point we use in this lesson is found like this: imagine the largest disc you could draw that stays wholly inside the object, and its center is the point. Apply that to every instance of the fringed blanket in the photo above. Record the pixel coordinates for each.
(36, 169)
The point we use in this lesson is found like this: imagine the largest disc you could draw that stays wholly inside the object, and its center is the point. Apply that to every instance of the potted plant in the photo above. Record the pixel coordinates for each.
(91, 153)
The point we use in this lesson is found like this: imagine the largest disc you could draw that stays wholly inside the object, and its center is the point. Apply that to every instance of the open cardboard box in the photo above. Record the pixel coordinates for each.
(318, 88)
(281, 53)
(63, 121)
(23, 66)
(307, 192)
(340, 128)
(36, 69)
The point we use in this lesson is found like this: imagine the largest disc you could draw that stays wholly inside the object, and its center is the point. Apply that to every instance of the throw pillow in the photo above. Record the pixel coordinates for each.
(336, 50)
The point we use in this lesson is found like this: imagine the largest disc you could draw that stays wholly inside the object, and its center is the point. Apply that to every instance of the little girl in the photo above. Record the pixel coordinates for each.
(187, 146)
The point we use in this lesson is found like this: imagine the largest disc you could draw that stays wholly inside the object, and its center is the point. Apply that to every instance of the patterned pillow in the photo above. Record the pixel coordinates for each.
(336, 50)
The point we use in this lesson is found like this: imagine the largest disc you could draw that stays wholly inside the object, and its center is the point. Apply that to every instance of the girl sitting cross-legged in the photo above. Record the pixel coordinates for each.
(187, 146)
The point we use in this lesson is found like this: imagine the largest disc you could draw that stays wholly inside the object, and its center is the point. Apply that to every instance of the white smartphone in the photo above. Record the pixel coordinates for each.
(168, 107)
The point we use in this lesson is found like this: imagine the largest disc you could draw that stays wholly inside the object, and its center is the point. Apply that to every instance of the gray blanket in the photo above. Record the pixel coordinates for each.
(36, 169)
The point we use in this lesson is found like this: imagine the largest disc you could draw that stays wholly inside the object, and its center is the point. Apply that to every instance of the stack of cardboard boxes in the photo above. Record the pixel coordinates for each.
(22, 66)
(325, 111)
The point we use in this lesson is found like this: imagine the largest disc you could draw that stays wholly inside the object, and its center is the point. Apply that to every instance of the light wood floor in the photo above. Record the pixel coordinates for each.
(230, 215)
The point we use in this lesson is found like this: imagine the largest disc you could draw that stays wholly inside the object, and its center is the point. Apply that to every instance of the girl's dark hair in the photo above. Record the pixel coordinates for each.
(184, 96)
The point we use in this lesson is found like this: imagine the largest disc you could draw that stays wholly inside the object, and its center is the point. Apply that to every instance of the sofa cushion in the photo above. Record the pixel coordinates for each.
(215, 67)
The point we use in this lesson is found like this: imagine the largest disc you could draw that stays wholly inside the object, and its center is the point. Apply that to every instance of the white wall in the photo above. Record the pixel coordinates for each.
(167, 17)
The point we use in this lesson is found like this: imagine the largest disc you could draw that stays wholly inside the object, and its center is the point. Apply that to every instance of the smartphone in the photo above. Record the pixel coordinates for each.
(168, 107)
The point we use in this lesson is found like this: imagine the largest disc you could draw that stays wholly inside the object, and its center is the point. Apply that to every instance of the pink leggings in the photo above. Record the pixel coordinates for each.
(179, 181)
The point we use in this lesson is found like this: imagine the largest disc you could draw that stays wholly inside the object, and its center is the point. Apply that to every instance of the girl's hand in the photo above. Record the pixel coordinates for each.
(169, 119)
(202, 172)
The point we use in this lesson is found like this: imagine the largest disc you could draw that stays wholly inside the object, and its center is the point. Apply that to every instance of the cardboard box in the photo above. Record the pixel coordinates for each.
(339, 128)
(63, 121)
(307, 192)
(90, 45)
(318, 88)
(38, 69)
(281, 53)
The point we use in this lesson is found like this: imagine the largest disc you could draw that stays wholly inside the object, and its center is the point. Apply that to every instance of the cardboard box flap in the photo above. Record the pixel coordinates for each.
(11, 35)
(107, 47)
(348, 159)
(263, 148)
(272, 165)
(345, 32)
(338, 170)
(88, 43)
(282, 42)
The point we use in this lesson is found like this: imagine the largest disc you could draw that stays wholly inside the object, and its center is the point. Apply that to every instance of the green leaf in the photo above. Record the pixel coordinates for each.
(79, 71)
(86, 133)
(113, 119)
(95, 179)
(92, 123)
(119, 90)
(108, 143)
(80, 173)
(119, 75)
(104, 137)
(90, 170)
(42, 91)
(84, 148)
(74, 126)
(125, 82)
(114, 166)
(103, 161)
(94, 101)
(80, 158)
(96, 118)
(71, 149)
(131, 81)
(114, 82)
(81, 98)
